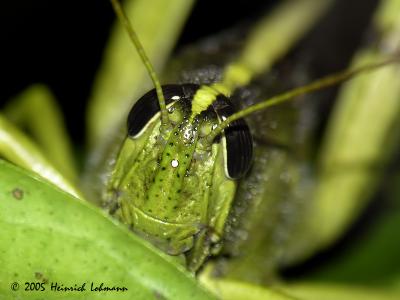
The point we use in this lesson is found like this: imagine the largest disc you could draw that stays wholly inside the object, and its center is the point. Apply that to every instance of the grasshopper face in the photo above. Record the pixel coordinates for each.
(174, 187)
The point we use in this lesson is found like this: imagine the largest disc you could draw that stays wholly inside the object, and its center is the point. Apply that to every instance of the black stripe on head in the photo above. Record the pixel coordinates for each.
(147, 106)
(239, 142)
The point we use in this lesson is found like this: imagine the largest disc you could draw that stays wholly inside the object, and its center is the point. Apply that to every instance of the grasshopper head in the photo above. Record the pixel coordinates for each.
(168, 184)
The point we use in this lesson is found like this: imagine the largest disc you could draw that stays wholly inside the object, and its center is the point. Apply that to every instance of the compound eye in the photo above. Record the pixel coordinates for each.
(147, 110)
(238, 150)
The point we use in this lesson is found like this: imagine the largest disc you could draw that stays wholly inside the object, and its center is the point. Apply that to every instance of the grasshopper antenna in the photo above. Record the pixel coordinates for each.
(291, 94)
(135, 40)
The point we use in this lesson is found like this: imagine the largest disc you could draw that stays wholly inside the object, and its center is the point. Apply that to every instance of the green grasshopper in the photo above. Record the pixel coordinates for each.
(174, 177)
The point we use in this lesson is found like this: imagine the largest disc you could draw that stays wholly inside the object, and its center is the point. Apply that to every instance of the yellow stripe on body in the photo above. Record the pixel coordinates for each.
(234, 75)
(270, 40)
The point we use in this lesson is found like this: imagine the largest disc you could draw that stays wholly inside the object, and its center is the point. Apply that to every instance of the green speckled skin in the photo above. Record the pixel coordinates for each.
(172, 188)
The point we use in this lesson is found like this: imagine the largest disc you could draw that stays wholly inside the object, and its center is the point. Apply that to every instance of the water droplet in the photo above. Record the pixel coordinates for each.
(175, 98)
(174, 163)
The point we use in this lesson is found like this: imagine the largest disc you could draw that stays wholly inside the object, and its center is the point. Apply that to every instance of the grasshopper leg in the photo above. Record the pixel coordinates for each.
(36, 110)
(48, 152)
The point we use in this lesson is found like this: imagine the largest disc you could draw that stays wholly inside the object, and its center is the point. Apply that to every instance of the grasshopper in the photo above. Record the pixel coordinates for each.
(174, 177)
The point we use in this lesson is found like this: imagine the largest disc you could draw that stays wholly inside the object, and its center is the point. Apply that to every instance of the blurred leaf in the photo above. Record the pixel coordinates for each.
(313, 291)
(236, 290)
(361, 139)
(372, 258)
(239, 290)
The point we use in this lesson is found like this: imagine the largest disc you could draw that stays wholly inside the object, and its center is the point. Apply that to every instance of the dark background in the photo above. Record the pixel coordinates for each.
(60, 43)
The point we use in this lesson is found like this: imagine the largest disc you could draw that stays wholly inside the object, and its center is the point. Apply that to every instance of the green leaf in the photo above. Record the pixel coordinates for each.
(48, 236)
(240, 290)
(317, 291)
